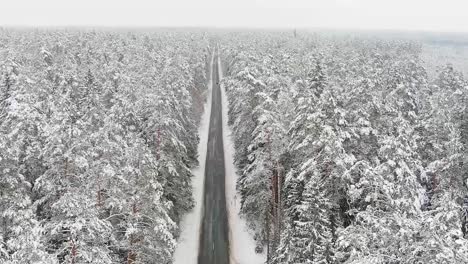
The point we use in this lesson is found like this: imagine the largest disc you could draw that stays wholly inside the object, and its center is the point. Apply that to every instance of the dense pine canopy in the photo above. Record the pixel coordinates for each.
(348, 148)
(98, 132)
(374, 151)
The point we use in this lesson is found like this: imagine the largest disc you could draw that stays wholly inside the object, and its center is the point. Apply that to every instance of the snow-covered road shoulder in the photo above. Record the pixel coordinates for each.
(188, 242)
(241, 241)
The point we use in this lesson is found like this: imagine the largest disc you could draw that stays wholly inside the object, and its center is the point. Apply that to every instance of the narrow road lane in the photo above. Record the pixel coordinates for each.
(214, 233)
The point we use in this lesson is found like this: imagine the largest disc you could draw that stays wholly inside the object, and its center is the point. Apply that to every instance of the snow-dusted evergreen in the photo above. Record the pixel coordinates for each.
(374, 151)
(98, 132)
(348, 149)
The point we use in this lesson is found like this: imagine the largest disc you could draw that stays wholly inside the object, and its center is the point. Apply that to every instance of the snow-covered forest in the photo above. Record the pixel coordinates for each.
(98, 132)
(347, 151)
(347, 148)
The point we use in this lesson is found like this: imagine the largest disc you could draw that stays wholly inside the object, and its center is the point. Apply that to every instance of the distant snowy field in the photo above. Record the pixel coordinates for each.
(435, 55)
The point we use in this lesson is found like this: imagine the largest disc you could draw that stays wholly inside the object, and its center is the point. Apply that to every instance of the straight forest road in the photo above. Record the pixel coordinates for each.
(214, 232)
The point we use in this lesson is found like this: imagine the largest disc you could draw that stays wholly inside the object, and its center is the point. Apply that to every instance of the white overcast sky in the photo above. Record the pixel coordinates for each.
(431, 15)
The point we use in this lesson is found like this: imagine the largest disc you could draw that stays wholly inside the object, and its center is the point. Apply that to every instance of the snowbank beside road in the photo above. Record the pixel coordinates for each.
(241, 241)
(187, 246)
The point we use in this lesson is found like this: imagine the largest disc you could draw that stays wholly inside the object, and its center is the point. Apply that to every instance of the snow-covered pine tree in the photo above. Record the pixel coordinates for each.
(78, 167)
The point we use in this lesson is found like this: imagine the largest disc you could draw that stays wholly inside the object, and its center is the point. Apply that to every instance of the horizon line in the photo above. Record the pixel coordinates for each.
(232, 27)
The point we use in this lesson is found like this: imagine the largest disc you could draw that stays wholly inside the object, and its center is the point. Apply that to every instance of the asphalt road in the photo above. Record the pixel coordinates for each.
(214, 235)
